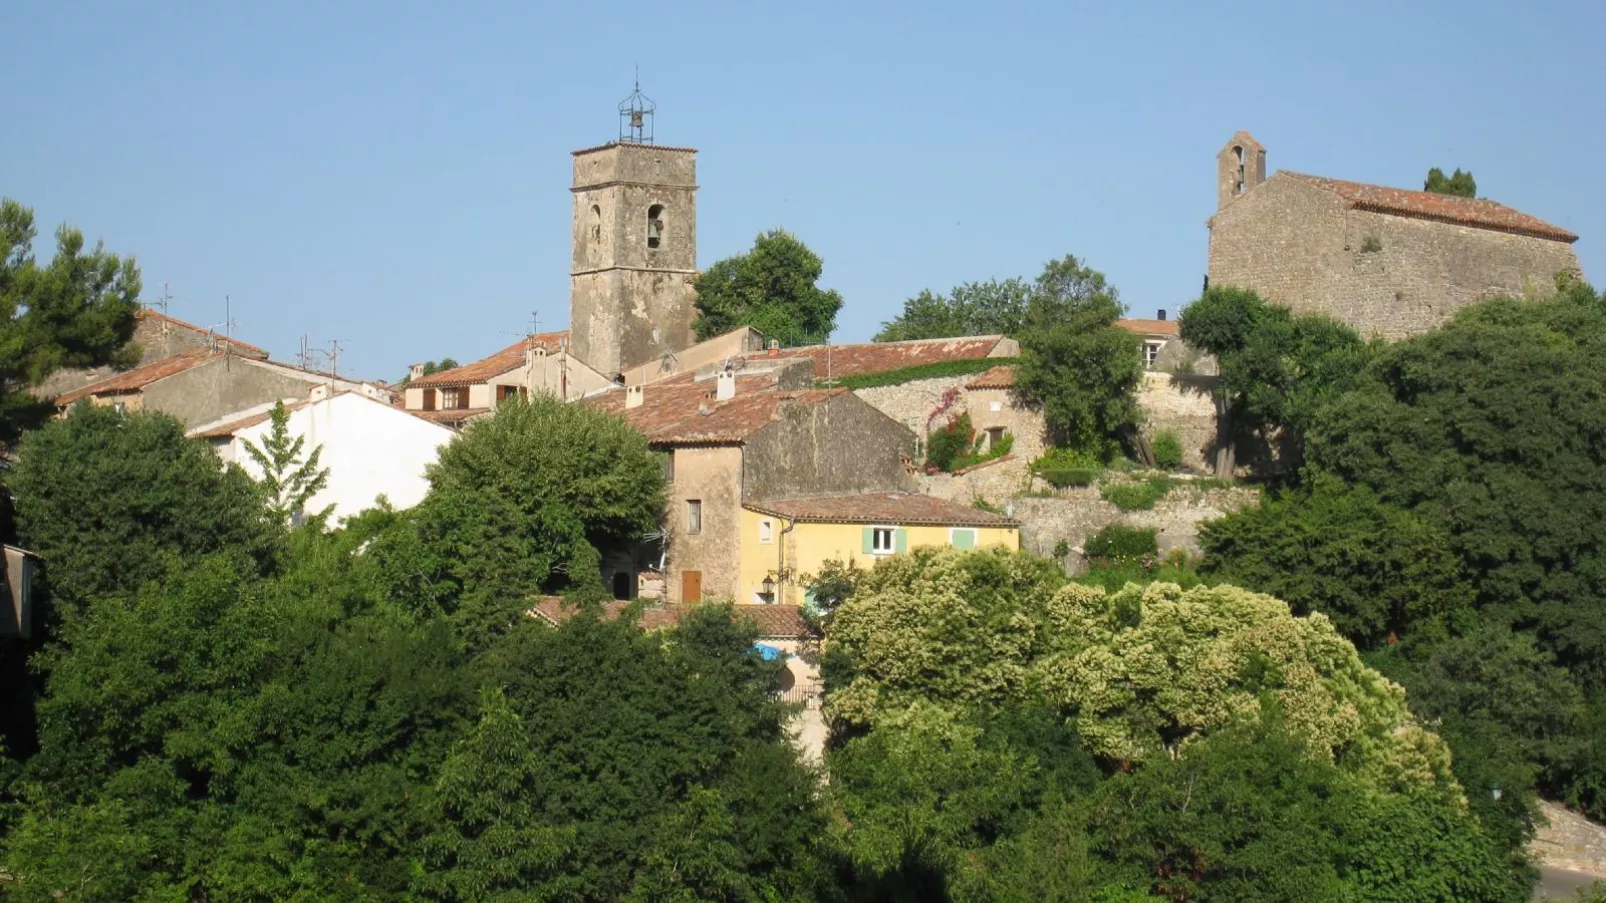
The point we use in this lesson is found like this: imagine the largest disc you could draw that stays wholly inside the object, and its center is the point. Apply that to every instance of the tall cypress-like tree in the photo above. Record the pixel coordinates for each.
(288, 481)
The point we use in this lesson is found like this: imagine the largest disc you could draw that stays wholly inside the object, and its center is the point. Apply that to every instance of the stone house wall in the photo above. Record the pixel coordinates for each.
(1079, 513)
(219, 387)
(838, 446)
(711, 475)
(1386, 275)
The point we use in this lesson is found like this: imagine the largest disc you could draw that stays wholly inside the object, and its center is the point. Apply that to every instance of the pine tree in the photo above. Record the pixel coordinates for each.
(287, 481)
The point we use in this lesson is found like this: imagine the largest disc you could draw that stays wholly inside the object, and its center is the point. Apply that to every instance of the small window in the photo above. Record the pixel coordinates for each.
(766, 530)
(655, 225)
(995, 435)
(694, 516)
(669, 466)
(881, 540)
(1151, 353)
(596, 225)
(454, 399)
(962, 537)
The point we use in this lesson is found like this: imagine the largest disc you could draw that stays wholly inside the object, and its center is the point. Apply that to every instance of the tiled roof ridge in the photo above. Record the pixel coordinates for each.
(152, 313)
(902, 508)
(663, 147)
(1447, 208)
(141, 376)
(476, 371)
(986, 337)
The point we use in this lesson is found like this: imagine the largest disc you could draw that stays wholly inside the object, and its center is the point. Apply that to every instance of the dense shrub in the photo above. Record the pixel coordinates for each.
(949, 443)
(1167, 450)
(1119, 542)
(1062, 467)
(1138, 496)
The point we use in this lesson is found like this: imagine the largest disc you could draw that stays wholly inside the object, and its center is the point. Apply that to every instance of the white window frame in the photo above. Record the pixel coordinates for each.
(1151, 353)
(766, 531)
(875, 540)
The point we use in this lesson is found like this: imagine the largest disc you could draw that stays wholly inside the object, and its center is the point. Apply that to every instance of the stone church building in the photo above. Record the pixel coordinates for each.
(1387, 261)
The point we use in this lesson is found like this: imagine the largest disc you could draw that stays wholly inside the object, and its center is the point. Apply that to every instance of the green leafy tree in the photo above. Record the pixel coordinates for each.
(773, 288)
(523, 503)
(492, 841)
(994, 307)
(1377, 571)
(1514, 721)
(1491, 428)
(1247, 815)
(111, 499)
(288, 480)
(1076, 364)
(1277, 370)
(1460, 184)
(76, 311)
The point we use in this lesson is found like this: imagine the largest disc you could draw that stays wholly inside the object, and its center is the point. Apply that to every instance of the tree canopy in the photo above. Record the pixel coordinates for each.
(157, 498)
(1458, 183)
(1076, 364)
(994, 307)
(772, 288)
(76, 311)
(526, 501)
(1491, 428)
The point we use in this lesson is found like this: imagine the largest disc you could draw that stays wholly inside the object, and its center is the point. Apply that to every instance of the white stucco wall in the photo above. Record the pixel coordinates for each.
(370, 449)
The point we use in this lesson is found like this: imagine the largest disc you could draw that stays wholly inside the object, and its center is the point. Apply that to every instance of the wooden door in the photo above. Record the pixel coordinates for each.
(691, 587)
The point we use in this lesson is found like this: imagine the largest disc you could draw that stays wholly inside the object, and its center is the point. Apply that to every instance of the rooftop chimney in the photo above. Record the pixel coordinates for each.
(634, 396)
(1162, 315)
(774, 347)
(416, 371)
(725, 386)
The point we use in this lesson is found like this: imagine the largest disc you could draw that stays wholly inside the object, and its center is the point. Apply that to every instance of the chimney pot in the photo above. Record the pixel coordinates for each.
(725, 386)
(774, 347)
(634, 396)
(416, 371)
(1162, 314)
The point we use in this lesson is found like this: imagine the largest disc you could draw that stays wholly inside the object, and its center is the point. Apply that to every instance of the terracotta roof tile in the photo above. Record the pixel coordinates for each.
(773, 621)
(1150, 327)
(1474, 212)
(689, 415)
(239, 347)
(892, 508)
(833, 361)
(140, 377)
(475, 372)
(1000, 377)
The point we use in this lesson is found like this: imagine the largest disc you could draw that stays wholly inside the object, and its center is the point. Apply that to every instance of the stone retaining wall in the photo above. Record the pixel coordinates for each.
(1078, 513)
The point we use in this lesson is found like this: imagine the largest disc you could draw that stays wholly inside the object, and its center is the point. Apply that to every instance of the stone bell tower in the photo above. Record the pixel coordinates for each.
(635, 246)
(1240, 166)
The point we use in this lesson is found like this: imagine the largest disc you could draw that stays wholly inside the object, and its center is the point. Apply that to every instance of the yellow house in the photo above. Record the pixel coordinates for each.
(784, 540)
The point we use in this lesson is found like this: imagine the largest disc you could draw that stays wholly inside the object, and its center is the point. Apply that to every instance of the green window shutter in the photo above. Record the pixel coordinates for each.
(900, 540)
(964, 539)
(869, 540)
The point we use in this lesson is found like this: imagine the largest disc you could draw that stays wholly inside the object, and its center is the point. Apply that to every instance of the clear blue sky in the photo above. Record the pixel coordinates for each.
(395, 174)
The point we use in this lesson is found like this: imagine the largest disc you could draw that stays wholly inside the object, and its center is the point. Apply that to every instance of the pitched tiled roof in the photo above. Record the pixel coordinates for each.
(509, 358)
(239, 347)
(835, 361)
(773, 621)
(140, 377)
(1000, 377)
(689, 415)
(229, 428)
(450, 415)
(897, 508)
(1441, 207)
(662, 147)
(1150, 327)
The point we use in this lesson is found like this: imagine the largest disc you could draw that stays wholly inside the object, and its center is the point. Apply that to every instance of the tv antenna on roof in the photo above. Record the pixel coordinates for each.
(636, 113)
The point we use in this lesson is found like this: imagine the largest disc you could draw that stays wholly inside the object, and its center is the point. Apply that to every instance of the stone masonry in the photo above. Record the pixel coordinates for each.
(1077, 514)
(1388, 262)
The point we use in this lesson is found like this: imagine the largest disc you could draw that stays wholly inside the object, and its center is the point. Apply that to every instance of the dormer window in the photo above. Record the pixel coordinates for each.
(655, 225)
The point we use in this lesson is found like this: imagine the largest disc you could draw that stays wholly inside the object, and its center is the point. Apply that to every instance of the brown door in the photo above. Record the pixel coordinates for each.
(691, 587)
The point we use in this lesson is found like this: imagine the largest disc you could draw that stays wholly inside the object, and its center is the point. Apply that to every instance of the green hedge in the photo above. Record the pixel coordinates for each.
(1118, 542)
(910, 374)
(1061, 477)
(1136, 496)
